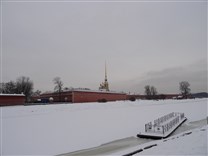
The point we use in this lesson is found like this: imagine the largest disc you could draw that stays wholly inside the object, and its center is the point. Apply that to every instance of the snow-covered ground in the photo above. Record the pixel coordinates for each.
(192, 142)
(189, 143)
(62, 128)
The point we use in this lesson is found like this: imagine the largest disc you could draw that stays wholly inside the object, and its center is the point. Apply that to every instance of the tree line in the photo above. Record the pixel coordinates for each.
(151, 91)
(23, 85)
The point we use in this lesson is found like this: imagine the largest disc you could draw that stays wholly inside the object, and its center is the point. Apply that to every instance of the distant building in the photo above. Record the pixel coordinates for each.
(12, 99)
(80, 96)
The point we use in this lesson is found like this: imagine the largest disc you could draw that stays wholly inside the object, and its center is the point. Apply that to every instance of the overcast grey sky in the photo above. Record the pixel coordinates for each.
(155, 43)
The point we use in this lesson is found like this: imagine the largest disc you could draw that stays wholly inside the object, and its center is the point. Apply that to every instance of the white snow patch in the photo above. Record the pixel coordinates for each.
(193, 142)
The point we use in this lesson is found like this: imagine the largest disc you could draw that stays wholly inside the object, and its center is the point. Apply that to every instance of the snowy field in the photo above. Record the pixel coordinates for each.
(192, 142)
(63, 128)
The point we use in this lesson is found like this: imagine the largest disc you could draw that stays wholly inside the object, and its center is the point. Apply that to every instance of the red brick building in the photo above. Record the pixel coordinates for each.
(12, 99)
(94, 96)
(80, 96)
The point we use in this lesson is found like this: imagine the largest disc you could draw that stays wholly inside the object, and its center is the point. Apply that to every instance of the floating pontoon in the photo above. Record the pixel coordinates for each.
(163, 126)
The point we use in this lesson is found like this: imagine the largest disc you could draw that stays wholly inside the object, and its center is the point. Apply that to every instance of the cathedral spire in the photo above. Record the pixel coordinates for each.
(105, 85)
(106, 72)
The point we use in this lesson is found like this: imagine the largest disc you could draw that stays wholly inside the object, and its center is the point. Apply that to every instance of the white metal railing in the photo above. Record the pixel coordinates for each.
(164, 123)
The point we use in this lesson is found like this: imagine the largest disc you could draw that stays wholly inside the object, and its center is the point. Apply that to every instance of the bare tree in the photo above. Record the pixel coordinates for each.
(9, 87)
(150, 91)
(153, 92)
(58, 86)
(147, 91)
(1, 87)
(185, 88)
(37, 93)
(24, 85)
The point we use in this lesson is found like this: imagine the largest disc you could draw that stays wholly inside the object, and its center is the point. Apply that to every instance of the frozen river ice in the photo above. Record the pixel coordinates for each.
(109, 148)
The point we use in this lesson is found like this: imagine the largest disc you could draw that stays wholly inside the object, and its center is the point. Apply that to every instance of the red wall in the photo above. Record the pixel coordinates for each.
(10, 100)
(82, 96)
(79, 97)
(55, 97)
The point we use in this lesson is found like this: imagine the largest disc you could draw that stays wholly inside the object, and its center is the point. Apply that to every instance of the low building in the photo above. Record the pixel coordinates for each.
(80, 96)
(12, 99)
(96, 96)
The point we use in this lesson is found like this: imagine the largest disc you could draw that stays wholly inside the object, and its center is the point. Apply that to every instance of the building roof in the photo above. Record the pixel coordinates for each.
(83, 90)
(97, 91)
(1, 94)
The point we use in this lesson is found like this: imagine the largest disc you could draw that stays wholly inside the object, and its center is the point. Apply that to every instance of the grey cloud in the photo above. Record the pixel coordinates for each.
(167, 80)
(73, 40)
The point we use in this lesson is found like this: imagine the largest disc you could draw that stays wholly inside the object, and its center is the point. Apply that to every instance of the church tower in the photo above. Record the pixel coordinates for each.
(105, 85)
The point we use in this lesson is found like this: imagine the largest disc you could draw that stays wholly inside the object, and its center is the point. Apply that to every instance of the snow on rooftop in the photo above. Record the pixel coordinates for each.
(87, 90)
(97, 91)
(1, 94)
